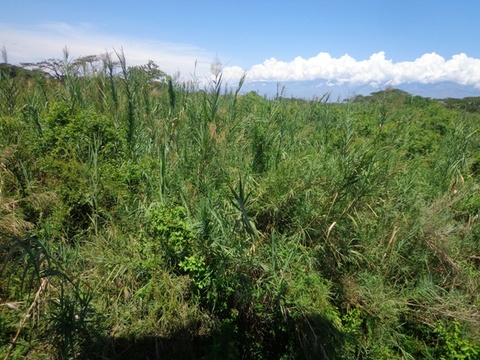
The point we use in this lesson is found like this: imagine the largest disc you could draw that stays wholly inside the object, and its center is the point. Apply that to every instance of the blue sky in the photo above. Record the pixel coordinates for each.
(349, 41)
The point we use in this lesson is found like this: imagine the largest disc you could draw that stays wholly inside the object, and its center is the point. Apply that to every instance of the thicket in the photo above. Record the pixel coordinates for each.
(144, 217)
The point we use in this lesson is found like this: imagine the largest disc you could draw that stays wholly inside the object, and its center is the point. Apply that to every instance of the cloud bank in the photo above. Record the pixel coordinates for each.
(345, 70)
(40, 42)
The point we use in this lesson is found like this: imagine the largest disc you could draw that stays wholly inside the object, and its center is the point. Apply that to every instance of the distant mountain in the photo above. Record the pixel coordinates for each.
(441, 90)
(339, 92)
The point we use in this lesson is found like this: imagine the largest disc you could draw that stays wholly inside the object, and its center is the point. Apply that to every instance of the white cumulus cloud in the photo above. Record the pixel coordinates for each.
(377, 69)
(43, 41)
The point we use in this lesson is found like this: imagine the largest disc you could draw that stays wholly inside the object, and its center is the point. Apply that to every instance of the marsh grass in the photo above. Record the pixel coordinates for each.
(174, 221)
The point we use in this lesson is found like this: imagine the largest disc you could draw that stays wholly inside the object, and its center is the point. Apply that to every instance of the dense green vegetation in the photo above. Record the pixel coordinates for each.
(146, 218)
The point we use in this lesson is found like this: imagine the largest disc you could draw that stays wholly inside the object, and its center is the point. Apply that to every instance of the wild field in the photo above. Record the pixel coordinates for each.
(146, 218)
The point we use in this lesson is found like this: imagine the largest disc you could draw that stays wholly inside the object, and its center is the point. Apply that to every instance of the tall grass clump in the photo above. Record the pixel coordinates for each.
(143, 216)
